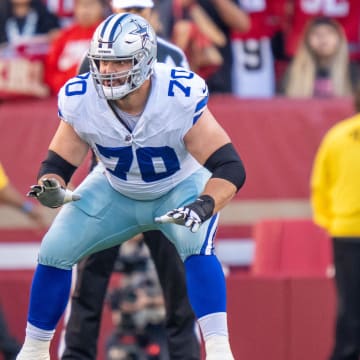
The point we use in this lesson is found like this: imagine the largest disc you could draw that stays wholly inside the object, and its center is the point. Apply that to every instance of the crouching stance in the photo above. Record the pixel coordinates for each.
(167, 165)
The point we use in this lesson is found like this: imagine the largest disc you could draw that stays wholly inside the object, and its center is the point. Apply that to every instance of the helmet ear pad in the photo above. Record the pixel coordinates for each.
(122, 37)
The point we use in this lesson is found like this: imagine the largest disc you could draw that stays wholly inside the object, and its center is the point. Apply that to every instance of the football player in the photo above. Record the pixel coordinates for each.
(93, 272)
(169, 166)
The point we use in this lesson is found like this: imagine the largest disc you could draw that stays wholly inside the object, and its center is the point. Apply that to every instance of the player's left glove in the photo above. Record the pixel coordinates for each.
(192, 215)
(51, 194)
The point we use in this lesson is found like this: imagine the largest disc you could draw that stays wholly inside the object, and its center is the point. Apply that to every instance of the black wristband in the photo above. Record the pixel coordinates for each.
(203, 206)
(55, 164)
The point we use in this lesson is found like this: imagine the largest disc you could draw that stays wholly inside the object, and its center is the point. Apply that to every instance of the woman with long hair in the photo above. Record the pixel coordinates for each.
(321, 65)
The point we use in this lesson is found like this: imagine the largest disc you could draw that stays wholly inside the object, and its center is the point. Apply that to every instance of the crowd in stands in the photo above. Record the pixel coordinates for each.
(246, 48)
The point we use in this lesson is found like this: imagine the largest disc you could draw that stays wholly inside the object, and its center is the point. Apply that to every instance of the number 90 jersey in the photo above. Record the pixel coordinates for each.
(152, 159)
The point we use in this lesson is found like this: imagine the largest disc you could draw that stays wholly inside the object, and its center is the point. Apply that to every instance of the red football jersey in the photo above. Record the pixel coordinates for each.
(346, 12)
(264, 16)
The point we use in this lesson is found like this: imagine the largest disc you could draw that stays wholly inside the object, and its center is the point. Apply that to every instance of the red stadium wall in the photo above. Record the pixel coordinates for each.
(277, 140)
(277, 318)
(270, 318)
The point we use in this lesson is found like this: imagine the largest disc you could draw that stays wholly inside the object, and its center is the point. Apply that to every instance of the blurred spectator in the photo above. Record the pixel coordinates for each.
(321, 66)
(68, 49)
(253, 69)
(26, 19)
(26, 27)
(200, 48)
(137, 306)
(335, 197)
(63, 9)
(164, 8)
(202, 29)
(346, 12)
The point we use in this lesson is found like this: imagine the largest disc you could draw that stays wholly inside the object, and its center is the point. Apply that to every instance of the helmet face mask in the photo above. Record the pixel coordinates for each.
(122, 38)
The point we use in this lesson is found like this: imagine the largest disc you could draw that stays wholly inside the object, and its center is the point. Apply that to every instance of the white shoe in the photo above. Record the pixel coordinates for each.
(34, 350)
(32, 355)
(218, 348)
(220, 355)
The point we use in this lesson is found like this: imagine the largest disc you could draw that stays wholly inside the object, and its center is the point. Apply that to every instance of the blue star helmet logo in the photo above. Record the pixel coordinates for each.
(142, 31)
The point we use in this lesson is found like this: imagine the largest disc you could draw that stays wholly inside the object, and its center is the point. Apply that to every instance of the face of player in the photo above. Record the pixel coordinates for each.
(115, 67)
(324, 40)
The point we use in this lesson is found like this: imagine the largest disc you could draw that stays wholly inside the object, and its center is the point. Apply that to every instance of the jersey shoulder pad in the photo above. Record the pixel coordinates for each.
(187, 90)
(189, 87)
(181, 82)
(72, 96)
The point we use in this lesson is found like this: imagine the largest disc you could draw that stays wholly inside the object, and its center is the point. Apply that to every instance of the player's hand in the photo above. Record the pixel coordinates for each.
(51, 194)
(191, 215)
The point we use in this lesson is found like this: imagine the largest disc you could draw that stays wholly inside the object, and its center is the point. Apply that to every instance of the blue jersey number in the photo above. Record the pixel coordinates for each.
(179, 74)
(77, 87)
(146, 157)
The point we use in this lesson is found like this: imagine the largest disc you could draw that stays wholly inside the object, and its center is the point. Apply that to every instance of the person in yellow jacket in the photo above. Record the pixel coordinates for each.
(335, 198)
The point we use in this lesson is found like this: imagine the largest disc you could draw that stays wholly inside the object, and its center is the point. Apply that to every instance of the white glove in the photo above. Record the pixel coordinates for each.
(192, 215)
(51, 194)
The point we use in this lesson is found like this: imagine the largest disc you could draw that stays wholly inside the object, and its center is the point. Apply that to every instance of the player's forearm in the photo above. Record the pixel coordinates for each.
(56, 167)
(222, 191)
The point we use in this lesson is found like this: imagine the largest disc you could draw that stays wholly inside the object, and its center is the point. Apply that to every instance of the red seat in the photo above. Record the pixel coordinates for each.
(291, 248)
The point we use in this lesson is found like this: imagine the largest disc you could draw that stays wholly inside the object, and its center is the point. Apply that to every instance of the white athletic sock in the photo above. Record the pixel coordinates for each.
(213, 324)
(39, 334)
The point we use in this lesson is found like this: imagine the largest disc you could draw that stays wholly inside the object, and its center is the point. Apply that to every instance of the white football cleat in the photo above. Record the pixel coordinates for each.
(220, 356)
(28, 354)
(34, 350)
(218, 348)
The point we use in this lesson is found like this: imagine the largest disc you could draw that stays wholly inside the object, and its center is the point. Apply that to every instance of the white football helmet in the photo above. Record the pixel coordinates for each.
(122, 37)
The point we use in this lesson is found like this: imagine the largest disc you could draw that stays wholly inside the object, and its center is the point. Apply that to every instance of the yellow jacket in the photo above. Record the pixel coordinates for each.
(335, 180)
(3, 178)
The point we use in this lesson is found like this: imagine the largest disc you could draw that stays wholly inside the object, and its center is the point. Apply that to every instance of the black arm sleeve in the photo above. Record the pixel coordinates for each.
(55, 164)
(225, 163)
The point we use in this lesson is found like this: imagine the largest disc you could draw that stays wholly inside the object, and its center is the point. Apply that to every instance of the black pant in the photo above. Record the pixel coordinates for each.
(88, 297)
(9, 347)
(347, 278)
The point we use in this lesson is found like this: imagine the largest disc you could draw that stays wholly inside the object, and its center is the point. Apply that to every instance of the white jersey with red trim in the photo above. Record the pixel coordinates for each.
(150, 160)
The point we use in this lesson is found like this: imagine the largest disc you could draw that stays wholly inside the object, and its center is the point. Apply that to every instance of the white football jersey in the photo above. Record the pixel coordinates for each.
(152, 159)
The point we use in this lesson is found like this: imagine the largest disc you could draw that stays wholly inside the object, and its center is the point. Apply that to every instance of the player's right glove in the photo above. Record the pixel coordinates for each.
(191, 215)
(51, 194)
